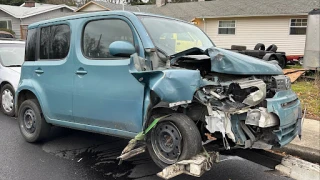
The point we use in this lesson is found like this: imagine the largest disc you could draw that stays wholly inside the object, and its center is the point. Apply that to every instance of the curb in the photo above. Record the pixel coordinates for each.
(298, 169)
(309, 154)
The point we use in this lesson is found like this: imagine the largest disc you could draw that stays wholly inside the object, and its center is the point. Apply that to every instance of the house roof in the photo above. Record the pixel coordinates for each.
(221, 8)
(24, 12)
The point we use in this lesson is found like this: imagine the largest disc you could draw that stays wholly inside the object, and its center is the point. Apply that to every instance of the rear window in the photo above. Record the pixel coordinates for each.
(54, 42)
(12, 55)
(31, 45)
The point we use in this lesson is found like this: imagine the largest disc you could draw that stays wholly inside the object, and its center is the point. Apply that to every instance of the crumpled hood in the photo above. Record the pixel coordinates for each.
(229, 62)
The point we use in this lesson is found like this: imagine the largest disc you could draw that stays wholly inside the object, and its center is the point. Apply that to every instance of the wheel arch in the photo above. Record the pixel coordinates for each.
(4, 83)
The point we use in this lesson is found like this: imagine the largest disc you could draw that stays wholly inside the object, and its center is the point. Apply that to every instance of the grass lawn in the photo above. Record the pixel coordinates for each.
(309, 95)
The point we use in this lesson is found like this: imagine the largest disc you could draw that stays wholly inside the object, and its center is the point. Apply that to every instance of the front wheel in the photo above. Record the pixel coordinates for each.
(33, 126)
(173, 139)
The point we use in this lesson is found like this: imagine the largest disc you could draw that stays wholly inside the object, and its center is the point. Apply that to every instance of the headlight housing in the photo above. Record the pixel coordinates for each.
(281, 82)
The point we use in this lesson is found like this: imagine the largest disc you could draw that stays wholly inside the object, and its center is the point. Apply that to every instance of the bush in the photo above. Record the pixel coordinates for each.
(8, 30)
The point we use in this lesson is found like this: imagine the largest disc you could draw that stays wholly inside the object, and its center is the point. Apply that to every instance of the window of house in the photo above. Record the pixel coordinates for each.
(98, 35)
(6, 24)
(227, 27)
(298, 26)
(54, 42)
(30, 54)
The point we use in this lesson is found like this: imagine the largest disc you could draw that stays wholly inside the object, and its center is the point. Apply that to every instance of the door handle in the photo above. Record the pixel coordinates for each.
(81, 71)
(39, 71)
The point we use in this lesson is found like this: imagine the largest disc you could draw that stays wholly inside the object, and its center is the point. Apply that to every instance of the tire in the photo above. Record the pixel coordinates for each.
(36, 130)
(260, 46)
(239, 48)
(7, 100)
(282, 62)
(272, 48)
(187, 144)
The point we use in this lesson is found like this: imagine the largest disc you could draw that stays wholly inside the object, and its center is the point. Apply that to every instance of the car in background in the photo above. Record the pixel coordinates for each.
(4, 34)
(11, 59)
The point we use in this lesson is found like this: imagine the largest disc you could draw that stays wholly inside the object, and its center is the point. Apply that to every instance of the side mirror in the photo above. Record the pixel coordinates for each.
(121, 49)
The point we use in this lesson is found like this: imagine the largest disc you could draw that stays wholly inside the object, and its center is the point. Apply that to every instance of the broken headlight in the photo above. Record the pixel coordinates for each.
(281, 82)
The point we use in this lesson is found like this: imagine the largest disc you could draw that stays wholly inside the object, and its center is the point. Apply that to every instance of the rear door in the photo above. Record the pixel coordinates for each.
(52, 71)
(105, 93)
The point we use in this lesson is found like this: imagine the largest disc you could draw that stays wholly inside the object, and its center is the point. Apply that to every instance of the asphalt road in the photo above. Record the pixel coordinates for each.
(70, 154)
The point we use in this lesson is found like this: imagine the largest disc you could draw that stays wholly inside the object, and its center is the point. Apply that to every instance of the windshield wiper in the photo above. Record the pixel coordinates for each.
(14, 65)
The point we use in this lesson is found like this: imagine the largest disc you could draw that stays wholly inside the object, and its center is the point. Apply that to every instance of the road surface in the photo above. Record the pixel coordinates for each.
(70, 154)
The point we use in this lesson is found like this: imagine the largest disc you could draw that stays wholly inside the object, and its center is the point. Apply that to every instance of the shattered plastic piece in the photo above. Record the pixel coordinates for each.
(179, 103)
(219, 121)
(261, 117)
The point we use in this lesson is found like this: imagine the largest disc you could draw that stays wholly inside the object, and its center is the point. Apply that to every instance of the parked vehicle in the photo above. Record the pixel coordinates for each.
(269, 54)
(112, 72)
(11, 59)
(4, 34)
(292, 59)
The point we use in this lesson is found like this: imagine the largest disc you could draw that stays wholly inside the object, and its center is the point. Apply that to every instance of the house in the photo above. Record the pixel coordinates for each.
(235, 22)
(17, 18)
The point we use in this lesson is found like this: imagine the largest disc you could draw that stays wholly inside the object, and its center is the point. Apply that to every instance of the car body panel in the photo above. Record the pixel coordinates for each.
(10, 75)
(236, 63)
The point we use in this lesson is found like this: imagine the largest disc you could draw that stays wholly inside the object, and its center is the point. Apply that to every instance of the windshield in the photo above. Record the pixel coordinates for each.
(11, 54)
(173, 36)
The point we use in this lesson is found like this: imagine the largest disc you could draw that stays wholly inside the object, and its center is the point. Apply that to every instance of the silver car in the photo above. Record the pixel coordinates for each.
(11, 59)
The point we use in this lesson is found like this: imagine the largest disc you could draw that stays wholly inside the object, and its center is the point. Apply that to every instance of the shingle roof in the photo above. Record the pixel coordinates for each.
(224, 8)
(24, 12)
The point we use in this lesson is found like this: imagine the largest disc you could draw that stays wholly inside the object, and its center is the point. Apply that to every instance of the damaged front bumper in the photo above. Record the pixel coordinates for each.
(280, 122)
(287, 106)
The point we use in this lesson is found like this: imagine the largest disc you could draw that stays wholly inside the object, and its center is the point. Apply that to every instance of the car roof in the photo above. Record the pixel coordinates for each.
(99, 13)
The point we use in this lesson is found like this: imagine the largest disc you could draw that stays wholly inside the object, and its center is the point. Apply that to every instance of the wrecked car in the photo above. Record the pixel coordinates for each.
(114, 73)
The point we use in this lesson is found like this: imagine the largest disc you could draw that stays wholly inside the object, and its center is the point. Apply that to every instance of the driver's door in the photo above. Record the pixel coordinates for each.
(105, 92)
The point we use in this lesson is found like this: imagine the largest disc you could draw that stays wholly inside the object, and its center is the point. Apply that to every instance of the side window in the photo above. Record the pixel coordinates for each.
(31, 45)
(98, 35)
(54, 42)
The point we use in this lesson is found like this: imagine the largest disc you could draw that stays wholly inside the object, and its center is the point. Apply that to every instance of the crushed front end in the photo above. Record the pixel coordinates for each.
(249, 112)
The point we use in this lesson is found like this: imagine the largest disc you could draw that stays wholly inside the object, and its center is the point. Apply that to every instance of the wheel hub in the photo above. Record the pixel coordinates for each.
(7, 100)
(29, 120)
(166, 142)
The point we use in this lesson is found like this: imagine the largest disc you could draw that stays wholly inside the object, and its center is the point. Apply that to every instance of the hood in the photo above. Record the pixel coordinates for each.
(229, 62)
(15, 69)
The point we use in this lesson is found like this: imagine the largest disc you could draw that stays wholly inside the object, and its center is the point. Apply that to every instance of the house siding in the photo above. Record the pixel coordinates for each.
(15, 22)
(253, 30)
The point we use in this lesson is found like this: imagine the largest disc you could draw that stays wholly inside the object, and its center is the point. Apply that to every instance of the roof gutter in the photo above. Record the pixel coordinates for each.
(267, 15)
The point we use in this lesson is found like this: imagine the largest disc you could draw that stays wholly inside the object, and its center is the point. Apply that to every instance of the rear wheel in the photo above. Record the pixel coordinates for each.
(7, 100)
(173, 139)
(33, 126)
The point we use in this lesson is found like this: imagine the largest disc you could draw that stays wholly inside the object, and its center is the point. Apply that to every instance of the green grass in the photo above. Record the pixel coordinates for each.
(309, 95)
(295, 66)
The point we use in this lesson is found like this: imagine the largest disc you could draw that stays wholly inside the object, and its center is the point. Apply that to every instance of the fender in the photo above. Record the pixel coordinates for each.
(28, 84)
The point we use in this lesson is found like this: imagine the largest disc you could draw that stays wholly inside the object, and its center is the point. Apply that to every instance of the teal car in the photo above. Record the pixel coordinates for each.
(112, 73)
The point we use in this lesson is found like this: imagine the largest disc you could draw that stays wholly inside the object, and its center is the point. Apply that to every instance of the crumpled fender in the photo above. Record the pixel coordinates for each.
(171, 85)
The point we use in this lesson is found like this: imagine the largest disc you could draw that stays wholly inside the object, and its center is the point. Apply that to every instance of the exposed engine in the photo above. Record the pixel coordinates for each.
(235, 103)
